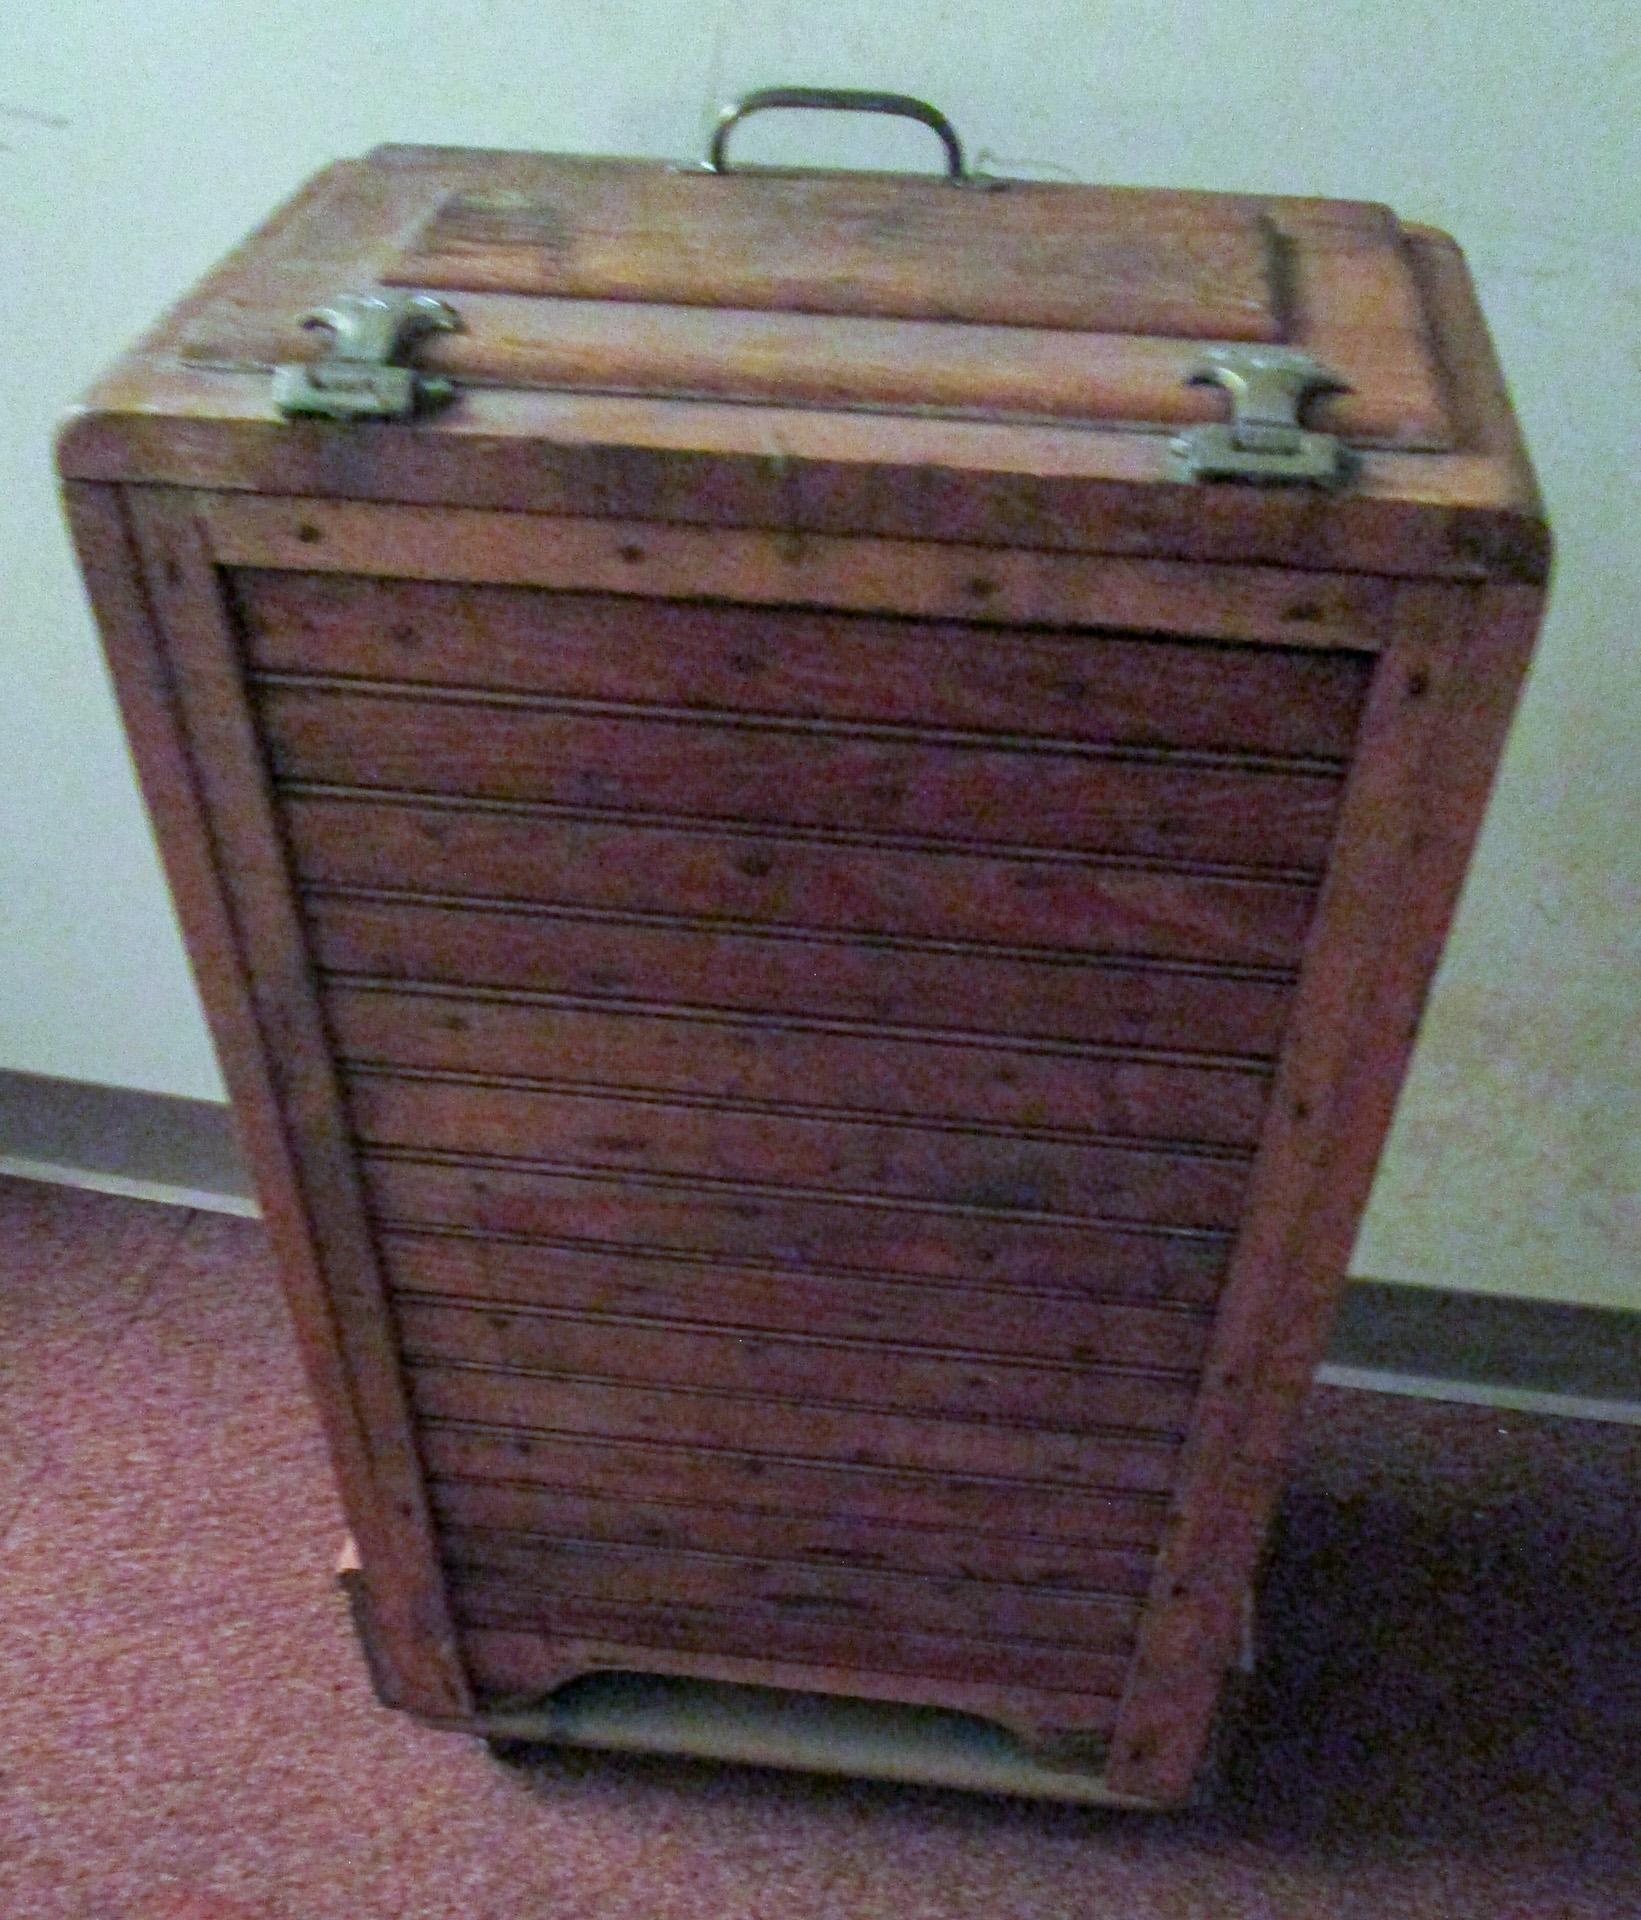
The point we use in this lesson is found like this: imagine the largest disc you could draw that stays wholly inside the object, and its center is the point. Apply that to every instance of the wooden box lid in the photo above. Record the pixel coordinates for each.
(1019, 336)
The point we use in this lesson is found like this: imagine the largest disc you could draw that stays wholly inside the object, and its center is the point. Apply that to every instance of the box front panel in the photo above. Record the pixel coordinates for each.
(805, 1068)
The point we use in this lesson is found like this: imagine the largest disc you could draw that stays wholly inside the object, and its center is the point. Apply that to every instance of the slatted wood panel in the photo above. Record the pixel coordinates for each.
(1110, 688)
(595, 1282)
(773, 1224)
(752, 1058)
(982, 1672)
(529, 1576)
(511, 1672)
(1010, 1170)
(1008, 1517)
(501, 1517)
(797, 774)
(845, 1435)
(938, 991)
(813, 1371)
(774, 1089)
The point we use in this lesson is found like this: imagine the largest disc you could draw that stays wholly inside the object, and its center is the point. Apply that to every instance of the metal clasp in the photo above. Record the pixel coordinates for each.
(360, 378)
(1263, 441)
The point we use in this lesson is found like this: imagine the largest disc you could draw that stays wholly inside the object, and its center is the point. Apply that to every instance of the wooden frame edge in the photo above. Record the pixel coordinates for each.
(1441, 703)
(853, 573)
(145, 565)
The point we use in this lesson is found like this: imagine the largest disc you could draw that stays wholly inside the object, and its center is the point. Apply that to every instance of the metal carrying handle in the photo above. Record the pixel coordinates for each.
(838, 100)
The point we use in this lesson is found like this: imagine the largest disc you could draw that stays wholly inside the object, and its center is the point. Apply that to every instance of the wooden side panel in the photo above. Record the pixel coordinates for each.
(1436, 721)
(159, 608)
(1090, 946)
(528, 1580)
(1074, 1690)
(755, 1635)
(1058, 1028)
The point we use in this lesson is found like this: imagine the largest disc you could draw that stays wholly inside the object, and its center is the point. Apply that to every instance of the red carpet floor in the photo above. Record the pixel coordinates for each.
(1445, 1721)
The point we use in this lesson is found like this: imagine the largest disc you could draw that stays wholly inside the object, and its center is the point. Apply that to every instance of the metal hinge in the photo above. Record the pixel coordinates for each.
(360, 378)
(1263, 441)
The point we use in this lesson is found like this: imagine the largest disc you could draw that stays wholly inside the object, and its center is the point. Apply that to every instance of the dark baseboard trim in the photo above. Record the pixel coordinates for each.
(1483, 1340)
(1532, 1355)
(153, 1146)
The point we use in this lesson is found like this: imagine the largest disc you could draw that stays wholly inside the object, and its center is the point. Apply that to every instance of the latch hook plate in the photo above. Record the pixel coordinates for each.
(1263, 440)
(361, 377)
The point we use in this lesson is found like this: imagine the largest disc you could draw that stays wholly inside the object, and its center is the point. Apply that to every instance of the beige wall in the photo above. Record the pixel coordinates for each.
(136, 143)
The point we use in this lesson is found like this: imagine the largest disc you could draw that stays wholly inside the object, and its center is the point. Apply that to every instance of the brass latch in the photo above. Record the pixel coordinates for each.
(360, 378)
(1263, 441)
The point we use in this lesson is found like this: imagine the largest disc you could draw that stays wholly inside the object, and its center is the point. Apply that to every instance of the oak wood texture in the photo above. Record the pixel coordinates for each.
(1346, 291)
(1141, 1461)
(769, 1223)
(643, 1476)
(657, 1288)
(513, 1669)
(869, 781)
(842, 244)
(1301, 703)
(521, 1580)
(812, 1371)
(751, 1057)
(509, 1519)
(815, 1152)
(1010, 911)
(945, 580)
(816, 955)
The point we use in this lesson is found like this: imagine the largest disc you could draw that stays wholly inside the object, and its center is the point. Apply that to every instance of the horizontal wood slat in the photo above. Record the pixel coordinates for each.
(1013, 1172)
(795, 774)
(814, 1372)
(1068, 1329)
(749, 1224)
(929, 576)
(1092, 687)
(748, 1059)
(968, 993)
(529, 1579)
(782, 881)
(844, 1435)
(509, 1516)
(505, 1660)
(537, 1468)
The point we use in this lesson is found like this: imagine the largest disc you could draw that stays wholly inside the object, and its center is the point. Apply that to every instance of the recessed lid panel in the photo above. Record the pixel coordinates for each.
(1031, 302)
(1018, 255)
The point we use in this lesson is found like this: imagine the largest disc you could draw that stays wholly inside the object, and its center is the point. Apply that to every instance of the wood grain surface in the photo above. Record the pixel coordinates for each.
(1088, 686)
(893, 897)
(772, 1224)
